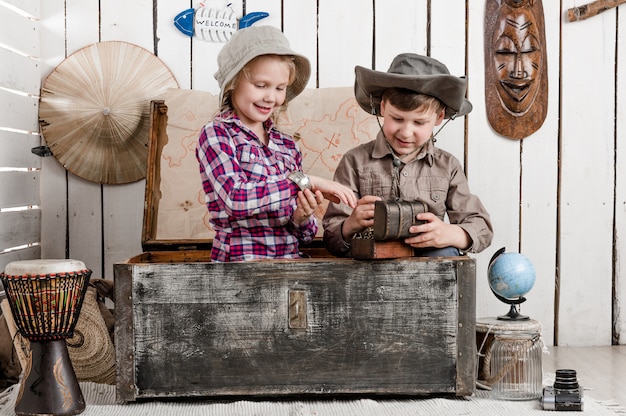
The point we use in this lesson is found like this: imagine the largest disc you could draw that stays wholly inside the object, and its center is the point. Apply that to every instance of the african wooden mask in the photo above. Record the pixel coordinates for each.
(516, 67)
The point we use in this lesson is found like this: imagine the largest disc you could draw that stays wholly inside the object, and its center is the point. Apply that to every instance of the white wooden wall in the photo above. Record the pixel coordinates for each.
(558, 196)
(20, 80)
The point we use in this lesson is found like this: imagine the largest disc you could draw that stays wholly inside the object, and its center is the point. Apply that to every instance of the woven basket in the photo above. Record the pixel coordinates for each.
(90, 348)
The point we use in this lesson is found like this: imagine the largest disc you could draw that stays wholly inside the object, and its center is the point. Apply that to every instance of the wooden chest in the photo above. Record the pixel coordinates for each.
(187, 327)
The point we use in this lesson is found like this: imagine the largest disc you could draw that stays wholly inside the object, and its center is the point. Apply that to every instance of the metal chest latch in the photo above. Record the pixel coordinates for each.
(297, 309)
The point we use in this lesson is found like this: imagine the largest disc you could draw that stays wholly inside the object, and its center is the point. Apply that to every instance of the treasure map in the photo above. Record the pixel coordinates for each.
(327, 121)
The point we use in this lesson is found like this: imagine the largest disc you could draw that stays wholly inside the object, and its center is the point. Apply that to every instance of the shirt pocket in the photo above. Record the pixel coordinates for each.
(282, 161)
(375, 183)
(434, 191)
(251, 161)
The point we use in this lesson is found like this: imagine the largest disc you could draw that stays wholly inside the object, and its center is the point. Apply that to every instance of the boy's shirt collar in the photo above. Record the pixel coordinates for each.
(381, 150)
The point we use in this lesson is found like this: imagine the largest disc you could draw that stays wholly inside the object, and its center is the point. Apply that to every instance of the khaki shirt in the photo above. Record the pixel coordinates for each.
(434, 176)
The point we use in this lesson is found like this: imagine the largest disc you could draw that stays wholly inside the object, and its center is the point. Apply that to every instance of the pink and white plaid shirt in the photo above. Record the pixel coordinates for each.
(248, 195)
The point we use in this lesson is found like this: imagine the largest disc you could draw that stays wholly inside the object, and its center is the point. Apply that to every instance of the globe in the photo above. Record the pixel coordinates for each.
(511, 275)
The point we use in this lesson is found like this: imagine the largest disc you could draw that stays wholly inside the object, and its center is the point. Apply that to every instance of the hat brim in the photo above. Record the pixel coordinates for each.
(249, 43)
(303, 71)
(369, 86)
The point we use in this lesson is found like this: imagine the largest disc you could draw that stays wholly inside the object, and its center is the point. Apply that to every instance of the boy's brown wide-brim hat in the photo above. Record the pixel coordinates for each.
(422, 74)
(246, 44)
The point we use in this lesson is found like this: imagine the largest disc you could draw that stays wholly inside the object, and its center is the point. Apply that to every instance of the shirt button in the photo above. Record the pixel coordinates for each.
(252, 156)
(405, 174)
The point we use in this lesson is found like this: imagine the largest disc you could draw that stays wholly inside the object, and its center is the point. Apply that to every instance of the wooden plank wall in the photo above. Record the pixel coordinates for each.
(587, 176)
(20, 169)
(557, 196)
(619, 286)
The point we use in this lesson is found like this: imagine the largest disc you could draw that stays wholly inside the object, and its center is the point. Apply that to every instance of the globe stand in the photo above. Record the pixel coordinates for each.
(513, 314)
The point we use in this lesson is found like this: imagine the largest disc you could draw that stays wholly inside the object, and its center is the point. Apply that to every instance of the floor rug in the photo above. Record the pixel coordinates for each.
(100, 399)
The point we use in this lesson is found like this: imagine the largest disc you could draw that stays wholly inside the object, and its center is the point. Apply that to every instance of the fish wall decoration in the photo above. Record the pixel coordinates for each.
(214, 24)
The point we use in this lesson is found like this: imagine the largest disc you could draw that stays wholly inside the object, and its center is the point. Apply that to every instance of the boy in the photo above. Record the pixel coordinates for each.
(416, 94)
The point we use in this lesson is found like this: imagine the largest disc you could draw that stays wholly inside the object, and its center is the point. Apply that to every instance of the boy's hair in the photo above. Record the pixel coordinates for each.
(245, 72)
(408, 100)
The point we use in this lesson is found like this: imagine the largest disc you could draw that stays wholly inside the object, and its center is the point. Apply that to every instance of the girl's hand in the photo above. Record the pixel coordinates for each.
(306, 204)
(333, 191)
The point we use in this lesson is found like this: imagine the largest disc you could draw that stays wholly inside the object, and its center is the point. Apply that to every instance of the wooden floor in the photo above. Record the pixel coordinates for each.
(601, 370)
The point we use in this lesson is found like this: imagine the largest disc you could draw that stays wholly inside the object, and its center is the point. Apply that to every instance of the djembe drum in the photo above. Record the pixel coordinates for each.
(45, 298)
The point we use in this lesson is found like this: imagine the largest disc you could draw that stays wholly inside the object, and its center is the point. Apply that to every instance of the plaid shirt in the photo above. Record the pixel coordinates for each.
(248, 195)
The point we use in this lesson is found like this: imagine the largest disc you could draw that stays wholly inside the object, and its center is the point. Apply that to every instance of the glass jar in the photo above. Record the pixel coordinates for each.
(516, 368)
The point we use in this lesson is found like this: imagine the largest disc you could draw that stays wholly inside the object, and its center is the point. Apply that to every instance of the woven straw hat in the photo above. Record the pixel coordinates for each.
(95, 110)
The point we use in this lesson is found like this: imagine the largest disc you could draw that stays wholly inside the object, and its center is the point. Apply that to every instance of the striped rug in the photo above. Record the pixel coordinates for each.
(100, 399)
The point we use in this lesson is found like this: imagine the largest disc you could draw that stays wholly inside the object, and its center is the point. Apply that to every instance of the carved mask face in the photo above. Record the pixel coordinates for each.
(517, 56)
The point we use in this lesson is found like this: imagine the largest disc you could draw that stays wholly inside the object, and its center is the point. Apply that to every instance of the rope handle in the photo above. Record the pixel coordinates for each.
(490, 381)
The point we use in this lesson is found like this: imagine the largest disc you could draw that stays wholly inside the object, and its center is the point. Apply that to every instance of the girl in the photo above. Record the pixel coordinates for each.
(260, 203)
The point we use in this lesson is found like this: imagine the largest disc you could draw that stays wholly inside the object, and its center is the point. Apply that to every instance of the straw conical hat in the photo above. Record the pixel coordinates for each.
(95, 110)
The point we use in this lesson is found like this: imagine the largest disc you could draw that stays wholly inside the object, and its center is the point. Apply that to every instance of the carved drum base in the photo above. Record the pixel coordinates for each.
(49, 386)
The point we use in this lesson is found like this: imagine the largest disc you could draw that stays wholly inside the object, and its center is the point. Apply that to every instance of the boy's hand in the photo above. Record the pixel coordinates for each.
(362, 217)
(436, 233)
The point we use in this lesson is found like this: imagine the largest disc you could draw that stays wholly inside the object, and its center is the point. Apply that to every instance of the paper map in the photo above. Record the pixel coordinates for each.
(328, 121)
